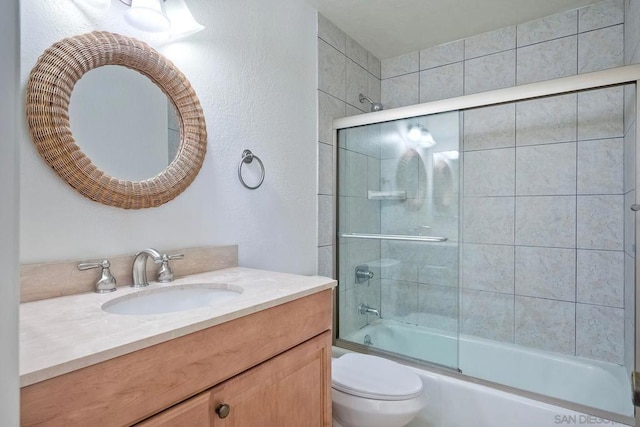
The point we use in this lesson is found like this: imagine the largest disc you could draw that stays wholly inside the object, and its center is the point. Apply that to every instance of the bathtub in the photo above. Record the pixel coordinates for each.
(590, 383)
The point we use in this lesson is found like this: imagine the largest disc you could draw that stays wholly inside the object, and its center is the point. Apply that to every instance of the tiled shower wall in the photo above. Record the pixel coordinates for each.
(631, 56)
(543, 260)
(346, 69)
(569, 43)
(359, 173)
(543, 224)
(522, 291)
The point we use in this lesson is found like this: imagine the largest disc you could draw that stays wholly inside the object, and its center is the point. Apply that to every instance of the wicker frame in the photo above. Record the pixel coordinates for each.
(49, 89)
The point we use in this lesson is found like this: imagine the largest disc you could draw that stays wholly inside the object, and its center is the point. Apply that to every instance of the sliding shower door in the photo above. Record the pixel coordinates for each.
(539, 297)
(398, 216)
(547, 260)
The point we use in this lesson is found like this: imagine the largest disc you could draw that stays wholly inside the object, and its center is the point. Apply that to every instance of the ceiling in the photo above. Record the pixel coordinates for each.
(389, 28)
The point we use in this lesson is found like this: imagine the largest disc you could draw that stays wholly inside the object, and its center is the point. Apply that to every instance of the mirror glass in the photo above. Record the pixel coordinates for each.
(124, 123)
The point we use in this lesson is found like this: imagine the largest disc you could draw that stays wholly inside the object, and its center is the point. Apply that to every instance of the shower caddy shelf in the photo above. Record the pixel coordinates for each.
(387, 195)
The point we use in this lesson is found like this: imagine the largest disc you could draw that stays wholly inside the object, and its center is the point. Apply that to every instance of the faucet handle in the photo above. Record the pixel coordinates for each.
(106, 283)
(170, 257)
(165, 274)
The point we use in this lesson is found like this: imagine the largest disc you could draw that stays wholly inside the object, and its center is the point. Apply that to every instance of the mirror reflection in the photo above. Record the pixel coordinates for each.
(124, 123)
(412, 177)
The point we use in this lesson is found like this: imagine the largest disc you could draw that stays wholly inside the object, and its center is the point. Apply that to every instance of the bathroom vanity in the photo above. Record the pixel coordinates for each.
(262, 359)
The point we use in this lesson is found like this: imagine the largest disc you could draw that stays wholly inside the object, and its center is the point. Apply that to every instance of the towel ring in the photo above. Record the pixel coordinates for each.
(248, 157)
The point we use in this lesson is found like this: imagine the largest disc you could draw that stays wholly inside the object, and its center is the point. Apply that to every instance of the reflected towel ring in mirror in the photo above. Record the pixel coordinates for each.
(248, 157)
(49, 90)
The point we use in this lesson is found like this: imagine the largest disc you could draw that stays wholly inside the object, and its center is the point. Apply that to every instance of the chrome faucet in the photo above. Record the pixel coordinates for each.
(365, 309)
(140, 266)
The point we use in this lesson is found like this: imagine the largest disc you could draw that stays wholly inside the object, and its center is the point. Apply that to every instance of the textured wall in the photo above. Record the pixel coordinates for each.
(543, 224)
(543, 260)
(569, 43)
(631, 56)
(358, 173)
(345, 70)
(254, 69)
(9, 288)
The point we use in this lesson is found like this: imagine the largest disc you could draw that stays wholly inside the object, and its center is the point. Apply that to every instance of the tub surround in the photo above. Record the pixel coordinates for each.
(60, 335)
(544, 220)
(345, 70)
(589, 240)
(568, 43)
(56, 279)
(510, 301)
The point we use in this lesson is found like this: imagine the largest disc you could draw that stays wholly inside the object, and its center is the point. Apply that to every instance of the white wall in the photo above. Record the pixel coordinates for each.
(254, 70)
(9, 67)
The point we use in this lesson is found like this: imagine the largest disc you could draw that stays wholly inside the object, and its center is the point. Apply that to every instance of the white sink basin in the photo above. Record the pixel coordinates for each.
(173, 298)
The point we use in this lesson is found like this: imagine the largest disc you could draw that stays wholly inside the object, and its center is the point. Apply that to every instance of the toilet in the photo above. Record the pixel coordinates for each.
(370, 391)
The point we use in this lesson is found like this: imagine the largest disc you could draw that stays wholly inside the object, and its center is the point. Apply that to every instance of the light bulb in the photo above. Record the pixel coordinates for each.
(419, 135)
(427, 140)
(414, 133)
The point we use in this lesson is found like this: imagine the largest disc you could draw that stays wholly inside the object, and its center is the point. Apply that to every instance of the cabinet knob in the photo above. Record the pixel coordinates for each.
(223, 410)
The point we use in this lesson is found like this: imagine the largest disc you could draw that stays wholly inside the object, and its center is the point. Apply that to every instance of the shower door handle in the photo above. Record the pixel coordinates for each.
(635, 207)
(635, 388)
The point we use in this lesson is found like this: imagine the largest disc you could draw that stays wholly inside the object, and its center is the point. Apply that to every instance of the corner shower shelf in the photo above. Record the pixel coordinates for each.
(387, 195)
(400, 237)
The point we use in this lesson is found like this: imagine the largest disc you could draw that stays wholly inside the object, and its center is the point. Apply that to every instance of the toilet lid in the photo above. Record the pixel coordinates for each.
(374, 378)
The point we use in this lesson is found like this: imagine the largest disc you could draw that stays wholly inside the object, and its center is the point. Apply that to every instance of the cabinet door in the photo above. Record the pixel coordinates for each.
(193, 412)
(290, 390)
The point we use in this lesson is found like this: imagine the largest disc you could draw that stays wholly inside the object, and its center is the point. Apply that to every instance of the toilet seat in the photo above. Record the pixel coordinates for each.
(375, 378)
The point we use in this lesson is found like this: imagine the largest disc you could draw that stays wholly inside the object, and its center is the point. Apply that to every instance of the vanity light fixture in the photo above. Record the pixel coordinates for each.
(419, 135)
(172, 18)
(147, 15)
(182, 21)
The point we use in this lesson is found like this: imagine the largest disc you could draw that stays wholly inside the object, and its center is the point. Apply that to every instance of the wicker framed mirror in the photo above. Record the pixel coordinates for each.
(49, 90)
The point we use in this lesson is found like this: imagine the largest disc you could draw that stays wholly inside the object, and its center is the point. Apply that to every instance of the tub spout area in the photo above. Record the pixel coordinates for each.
(365, 309)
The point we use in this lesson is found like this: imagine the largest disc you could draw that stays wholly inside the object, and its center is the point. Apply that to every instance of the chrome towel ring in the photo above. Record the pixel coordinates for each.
(248, 157)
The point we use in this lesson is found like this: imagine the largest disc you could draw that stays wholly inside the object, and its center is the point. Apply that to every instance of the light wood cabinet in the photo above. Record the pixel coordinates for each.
(288, 390)
(272, 368)
(194, 412)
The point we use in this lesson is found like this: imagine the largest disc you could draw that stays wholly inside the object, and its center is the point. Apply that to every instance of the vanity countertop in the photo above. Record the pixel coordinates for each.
(60, 335)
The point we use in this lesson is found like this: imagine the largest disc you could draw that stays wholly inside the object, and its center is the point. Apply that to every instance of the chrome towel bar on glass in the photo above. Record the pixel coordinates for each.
(248, 157)
(395, 237)
(635, 207)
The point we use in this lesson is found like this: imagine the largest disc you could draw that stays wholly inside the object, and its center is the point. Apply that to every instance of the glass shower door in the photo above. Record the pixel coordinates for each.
(398, 251)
